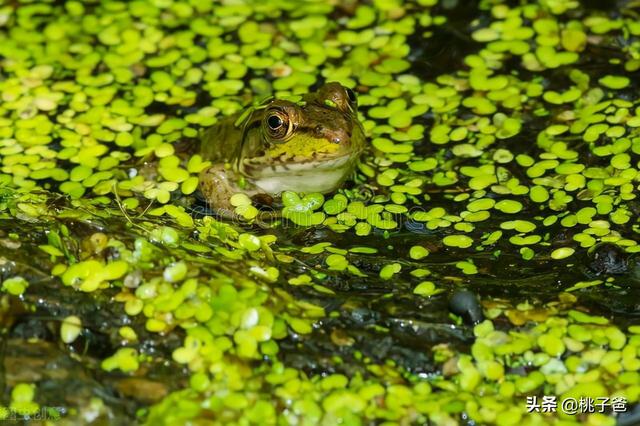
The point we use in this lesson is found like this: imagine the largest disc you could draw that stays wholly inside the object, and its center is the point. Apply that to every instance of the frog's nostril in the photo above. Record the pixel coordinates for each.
(340, 137)
(337, 136)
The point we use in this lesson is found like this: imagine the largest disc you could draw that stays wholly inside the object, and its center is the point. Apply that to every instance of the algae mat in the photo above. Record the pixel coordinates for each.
(503, 148)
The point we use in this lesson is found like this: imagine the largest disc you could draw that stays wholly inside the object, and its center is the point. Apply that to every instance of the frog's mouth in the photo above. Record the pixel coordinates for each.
(286, 164)
(321, 173)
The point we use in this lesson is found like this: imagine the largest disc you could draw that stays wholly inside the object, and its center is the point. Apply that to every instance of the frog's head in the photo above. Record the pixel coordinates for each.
(308, 146)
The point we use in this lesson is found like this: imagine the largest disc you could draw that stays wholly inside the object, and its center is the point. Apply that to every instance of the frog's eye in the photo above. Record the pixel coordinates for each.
(352, 96)
(277, 124)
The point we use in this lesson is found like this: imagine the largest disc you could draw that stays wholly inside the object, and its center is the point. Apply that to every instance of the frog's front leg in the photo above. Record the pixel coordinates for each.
(218, 184)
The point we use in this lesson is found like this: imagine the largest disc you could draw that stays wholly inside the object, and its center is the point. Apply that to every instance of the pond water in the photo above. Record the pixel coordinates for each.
(482, 257)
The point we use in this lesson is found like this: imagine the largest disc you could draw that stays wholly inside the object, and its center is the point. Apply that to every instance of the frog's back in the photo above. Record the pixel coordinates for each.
(221, 142)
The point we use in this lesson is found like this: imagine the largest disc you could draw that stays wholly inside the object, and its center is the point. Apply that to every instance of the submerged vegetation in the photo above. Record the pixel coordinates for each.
(502, 162)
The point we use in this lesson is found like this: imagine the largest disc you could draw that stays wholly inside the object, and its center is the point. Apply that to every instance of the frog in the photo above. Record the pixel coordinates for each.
(308, 146)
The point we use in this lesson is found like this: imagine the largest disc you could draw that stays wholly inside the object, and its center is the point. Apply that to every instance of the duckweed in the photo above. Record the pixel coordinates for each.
(562, 253)
(461, 241)
(175, 272)
(22, 399)
(90, 275)
(125, 359)
(388, 271)
(425, 288)
(418, 252)
(15, 285)
(70, 328)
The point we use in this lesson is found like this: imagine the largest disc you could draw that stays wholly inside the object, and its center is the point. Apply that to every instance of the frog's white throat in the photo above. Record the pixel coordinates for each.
(312, 176)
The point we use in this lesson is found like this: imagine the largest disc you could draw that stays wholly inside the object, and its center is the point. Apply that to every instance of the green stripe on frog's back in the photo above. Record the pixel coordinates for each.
(224, 141)
(219, 142)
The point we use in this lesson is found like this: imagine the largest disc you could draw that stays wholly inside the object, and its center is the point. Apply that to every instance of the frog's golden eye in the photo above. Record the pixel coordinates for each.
(278, 124)
(345, 99)
(353, 100)
(335, 95)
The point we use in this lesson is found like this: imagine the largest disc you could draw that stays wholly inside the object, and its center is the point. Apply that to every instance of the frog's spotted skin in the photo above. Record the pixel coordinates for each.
(309, 146)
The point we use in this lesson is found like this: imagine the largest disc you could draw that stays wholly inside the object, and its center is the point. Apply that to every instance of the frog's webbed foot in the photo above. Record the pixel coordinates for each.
(217, 185)
(265, 204)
